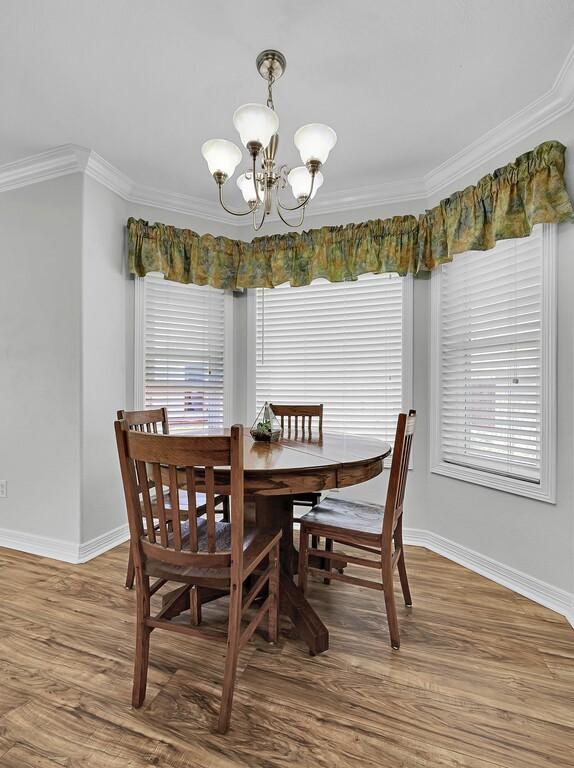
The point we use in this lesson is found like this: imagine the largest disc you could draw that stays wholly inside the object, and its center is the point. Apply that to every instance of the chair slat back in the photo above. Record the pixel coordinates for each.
(146, 421)
(398, 476)
(154, 466)
(298, 415)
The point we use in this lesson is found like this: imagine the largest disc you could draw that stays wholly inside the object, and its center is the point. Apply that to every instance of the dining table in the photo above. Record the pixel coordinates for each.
(300, 462)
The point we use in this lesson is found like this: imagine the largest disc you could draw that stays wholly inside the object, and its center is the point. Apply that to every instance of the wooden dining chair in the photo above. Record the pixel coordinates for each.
(195, 551)
(297, 421)
(370, 527)
(155, 421)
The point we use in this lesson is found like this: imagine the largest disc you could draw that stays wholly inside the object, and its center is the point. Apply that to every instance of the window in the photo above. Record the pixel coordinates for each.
(180, 352)
(493, 366)
(347, 345)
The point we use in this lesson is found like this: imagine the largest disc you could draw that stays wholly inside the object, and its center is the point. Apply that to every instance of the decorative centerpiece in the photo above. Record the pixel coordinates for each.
(266, 427)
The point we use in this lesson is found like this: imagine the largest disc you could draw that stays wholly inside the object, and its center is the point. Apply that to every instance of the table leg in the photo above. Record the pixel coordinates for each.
(277, 512)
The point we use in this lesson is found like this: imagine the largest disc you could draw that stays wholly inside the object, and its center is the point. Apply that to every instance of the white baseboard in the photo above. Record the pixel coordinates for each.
(39, 545)
(539, 591)
(68, 551)
(103, 543)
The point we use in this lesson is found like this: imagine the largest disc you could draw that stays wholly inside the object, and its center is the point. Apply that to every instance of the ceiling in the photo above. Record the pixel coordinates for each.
(405, 84)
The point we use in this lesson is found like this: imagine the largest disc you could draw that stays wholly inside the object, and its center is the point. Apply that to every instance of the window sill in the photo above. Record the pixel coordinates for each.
(495, 482)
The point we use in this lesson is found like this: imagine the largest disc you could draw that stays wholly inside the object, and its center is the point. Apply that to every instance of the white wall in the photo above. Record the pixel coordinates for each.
(40, 361)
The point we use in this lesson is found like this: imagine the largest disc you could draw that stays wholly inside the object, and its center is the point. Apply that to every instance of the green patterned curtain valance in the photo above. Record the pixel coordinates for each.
(504, 204)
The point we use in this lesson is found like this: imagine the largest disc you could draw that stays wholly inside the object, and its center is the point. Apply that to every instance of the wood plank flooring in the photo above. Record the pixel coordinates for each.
(484, 678)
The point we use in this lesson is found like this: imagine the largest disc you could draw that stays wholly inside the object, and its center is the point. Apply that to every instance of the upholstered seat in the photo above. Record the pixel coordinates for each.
(337, 514)
(254, 541)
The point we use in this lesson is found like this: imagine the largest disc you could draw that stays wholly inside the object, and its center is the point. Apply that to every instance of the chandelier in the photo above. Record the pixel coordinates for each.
(257, 126)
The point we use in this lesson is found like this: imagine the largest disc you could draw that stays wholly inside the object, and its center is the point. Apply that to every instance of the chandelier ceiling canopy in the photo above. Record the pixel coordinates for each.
(262, 182)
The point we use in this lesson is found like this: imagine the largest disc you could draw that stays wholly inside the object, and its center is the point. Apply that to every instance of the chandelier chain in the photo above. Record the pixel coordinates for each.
(270, 82)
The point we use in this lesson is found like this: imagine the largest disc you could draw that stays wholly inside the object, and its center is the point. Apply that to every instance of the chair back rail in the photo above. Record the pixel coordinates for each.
(398, 476)
(160, 461)
(305, 413)
(146, 421)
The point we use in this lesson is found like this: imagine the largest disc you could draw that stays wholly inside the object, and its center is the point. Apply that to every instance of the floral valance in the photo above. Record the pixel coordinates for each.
(504, 204)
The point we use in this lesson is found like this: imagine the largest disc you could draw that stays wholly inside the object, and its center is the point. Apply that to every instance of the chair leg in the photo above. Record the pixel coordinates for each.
(402, 569)
(273, 621)
(326, 561)
(225, 508)
(303, 559)
(194, 606)
(233, 637)
(142, 641)
(392, 619)
(131, 571)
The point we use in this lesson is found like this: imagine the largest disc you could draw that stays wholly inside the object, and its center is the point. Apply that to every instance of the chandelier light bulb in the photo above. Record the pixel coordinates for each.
(255, 123)
(314, 142)
(300, 180)
(222, 156)
(245, 184)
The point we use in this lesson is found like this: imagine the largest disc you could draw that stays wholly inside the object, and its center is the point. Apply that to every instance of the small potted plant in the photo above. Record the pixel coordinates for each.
(266, 428)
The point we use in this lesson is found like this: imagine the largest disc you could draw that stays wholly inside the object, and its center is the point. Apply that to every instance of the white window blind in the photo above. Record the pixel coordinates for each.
(340, 344)
(494, 375)
(183, 352)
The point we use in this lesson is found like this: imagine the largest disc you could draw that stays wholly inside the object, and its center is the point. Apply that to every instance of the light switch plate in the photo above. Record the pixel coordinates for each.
(3, 489)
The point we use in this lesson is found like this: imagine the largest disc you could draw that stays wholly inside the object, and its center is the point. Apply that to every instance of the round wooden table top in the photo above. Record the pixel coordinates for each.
(303, 463)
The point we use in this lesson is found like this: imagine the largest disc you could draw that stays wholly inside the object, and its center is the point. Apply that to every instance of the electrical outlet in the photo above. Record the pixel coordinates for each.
(3, 489)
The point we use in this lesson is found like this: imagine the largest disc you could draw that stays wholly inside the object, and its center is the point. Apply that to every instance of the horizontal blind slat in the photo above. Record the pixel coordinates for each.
(335, 343)
(490, 358)
(184, 352)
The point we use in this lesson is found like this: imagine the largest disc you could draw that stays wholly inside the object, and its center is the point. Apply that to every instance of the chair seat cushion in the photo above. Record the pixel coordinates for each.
(342, 514)
(255, 542)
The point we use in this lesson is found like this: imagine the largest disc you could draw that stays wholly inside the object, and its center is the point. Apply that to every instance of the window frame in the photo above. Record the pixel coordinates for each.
(546, 489)
(139, 357)
(407, 341)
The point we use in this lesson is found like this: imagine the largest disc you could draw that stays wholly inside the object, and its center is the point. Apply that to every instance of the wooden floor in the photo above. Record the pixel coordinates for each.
(484, 678)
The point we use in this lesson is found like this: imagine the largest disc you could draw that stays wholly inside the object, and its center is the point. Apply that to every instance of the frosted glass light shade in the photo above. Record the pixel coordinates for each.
(222, 156)
(300, 180)
(314, 142)
(245, 184)
(255, 122)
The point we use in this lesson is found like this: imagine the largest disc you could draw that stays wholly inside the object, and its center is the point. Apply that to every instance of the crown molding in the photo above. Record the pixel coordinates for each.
(179, 203)
(107, 174)
(553, 104)
(71, 158)
(44, 166)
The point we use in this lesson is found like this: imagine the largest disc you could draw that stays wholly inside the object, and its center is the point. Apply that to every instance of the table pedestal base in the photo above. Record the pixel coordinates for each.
(272, 512)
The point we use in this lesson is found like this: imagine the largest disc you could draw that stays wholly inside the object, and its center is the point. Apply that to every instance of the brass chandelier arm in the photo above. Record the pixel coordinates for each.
(253, 206)
(234, 213)
(284, 220)
(302, 204)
